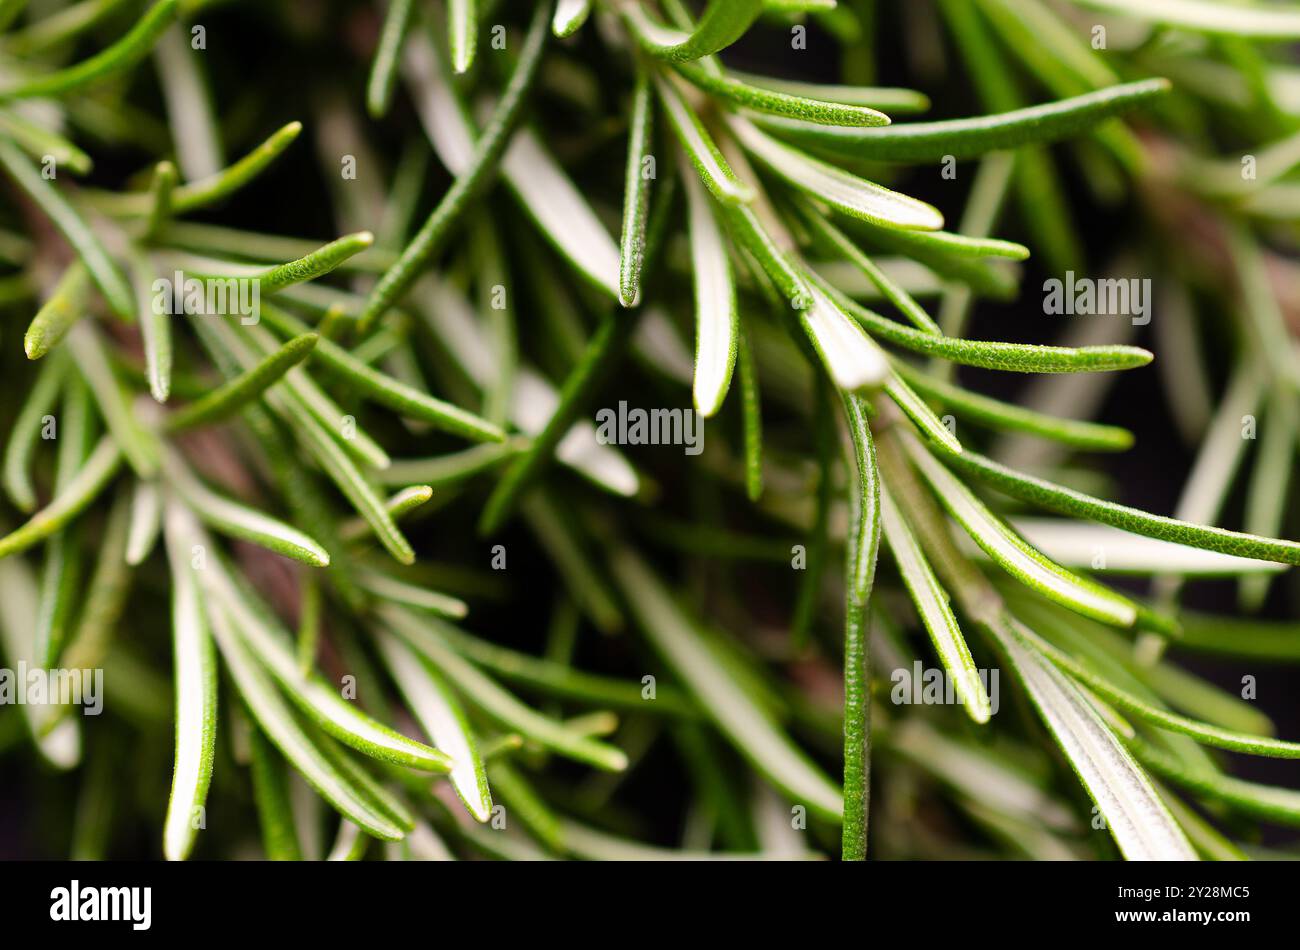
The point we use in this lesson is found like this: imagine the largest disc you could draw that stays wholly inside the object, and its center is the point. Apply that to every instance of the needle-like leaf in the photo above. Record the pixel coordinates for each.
(273, 648)
(72, 501)
(636, 192)
(121, 55)
(26, 433)
(421, 633)
(67, 303)
(773, 101)
(847, 193)
(569, 16)
(236, 520)
(968, 138)
(1135, 816)
(1068, 501)
(700, 147)
(932, 603)
(1011, 551)
(716, 319)
(723, 22)
(462, 33)
(471, 178)
(276, 719)
(440, 714)
(196, 691)
(231, 397)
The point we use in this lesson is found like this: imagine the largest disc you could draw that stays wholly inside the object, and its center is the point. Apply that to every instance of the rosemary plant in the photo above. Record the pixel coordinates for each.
(351, 519)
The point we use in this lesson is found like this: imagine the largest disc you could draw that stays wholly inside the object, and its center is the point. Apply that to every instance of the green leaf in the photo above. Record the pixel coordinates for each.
(276, 719)
(861, 548)
(386, 390)
(123, 54)
(231, 397)
(439, 713)
(1273, 21)
(41, 143)
(271, 795)
(388, 54)
(57, 739)
(749, 727)
(472, 176)
(1135, 816)
(636, 192)
(700, 147)
(716, 319)
(844, 192)
(601, 352)
(89, 481)
(67, 303)
(1135, 705)
(60, 578)
(320, 700)
(559, 679)
(1009, 357)
(421, 633)
(1013, 554)
(138, 445)
(967, 138)
(102, 270)
(569, 16)
(900, 298)
(932, 604)
(1077, 504)
(888, 100)
(723, 22)
(820, 111)
(462, 33)
(751, 411)
(238, 521)
(196, 691)
(1003, 415)
(26, 433)
(411, 595)
(453, 467)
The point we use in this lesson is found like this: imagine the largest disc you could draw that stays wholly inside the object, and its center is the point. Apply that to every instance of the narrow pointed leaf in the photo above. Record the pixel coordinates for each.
(843, 191)
(276, 719)
(932, 604)
(820, 111)
(462, 33)
(79, 493)
(569, 16)
(1016, 556)
(968, 138)
(700, 147)
(230, 397)
(1135, 816)
(123, 54)
(1077, 504)
(68, 303)
(716, 319)
(636, 193)
(238, 521)
(420, 633)
(440, 714)
(274, 650)
(723, 22)
(196, 692)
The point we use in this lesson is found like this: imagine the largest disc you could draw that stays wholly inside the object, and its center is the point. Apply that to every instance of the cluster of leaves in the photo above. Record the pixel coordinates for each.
(750, 204)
